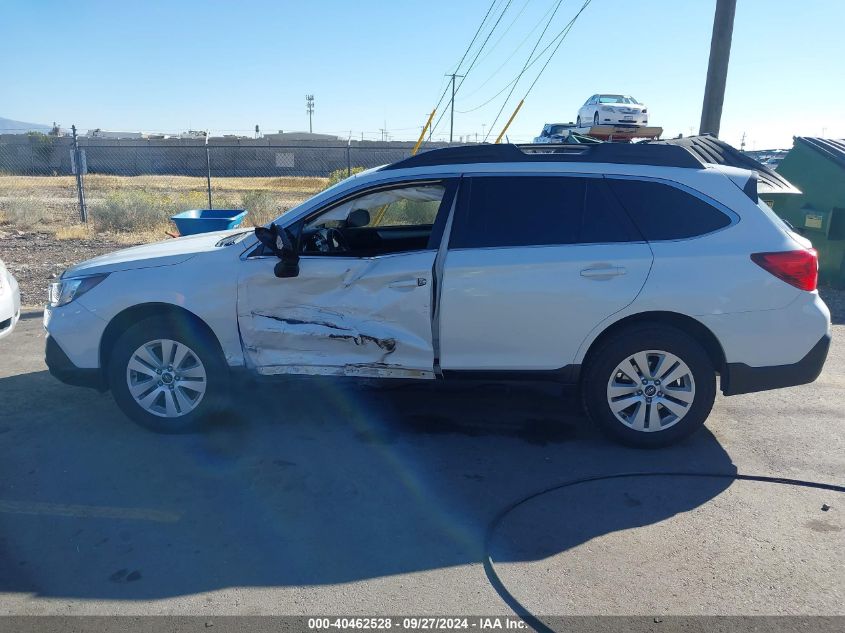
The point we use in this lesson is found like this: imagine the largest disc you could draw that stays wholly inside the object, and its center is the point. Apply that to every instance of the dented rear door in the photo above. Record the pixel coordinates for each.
(341, 316)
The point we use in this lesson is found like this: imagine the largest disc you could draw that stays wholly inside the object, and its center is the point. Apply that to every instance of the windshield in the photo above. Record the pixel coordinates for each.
(617, 99)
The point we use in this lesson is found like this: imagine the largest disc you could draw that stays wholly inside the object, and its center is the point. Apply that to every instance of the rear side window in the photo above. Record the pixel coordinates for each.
(663, 212)
(537, 211)
(603, 219)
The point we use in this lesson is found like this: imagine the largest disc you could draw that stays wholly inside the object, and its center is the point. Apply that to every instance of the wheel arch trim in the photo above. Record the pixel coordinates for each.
(695, 328)
(133, 314)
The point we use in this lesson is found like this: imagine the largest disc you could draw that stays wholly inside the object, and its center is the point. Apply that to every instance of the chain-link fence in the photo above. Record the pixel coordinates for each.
(137, 186)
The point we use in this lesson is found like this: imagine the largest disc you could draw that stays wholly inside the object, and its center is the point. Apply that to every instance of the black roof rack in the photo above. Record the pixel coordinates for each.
(636, 154)
(709, 149)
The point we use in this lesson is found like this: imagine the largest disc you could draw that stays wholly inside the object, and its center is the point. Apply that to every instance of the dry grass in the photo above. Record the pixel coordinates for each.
(141, 206)
(74, 232)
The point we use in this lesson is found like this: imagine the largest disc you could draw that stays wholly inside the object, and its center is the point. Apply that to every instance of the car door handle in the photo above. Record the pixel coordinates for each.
(408, 283)
(600, 273)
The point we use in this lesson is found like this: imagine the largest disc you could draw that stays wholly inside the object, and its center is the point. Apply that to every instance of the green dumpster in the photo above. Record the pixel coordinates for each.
(817, 167)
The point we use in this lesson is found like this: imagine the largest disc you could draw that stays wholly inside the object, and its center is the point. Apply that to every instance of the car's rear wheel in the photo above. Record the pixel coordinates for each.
(596, 118)
(578, 121)
(649, 385)
(167, 375)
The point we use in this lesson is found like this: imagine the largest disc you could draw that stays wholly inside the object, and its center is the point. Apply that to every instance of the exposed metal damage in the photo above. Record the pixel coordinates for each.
(367, 317)
(332, 332)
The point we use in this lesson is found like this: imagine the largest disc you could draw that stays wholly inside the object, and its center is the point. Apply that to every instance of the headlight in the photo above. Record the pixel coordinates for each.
(64, 291)
(645, 110)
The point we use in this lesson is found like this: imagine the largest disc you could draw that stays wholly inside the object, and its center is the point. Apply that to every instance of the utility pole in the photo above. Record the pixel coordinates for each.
(717, 68)
(452, 117)
(309, 107)
(742, 143)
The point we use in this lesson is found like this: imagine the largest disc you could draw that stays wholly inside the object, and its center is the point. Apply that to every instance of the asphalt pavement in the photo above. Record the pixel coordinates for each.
(330, 496)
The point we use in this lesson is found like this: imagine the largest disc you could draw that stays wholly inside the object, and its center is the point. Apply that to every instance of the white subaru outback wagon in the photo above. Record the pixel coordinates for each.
(639, 273)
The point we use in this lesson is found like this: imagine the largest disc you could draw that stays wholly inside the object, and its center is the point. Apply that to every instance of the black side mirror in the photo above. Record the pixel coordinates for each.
(283, 245)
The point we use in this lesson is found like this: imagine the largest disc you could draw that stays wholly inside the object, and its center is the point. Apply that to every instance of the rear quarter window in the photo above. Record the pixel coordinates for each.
(664, 212)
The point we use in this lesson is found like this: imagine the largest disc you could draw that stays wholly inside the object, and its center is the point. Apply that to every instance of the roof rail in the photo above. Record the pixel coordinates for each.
(637, 154)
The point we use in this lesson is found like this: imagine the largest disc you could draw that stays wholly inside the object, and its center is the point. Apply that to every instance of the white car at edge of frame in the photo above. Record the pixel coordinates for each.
(10, 301)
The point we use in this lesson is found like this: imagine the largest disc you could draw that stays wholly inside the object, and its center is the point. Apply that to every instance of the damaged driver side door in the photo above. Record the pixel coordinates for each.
(361, 303)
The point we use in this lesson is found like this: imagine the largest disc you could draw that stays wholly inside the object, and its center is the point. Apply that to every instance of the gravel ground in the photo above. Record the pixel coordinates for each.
(36, 258)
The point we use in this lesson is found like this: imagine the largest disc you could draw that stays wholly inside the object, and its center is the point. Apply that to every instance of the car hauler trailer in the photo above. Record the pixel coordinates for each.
(619, 133)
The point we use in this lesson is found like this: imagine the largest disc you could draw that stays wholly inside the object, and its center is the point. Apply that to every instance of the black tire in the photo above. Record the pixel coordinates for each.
(578, 121)
(596, 119)
(603, 362)
(203, 346)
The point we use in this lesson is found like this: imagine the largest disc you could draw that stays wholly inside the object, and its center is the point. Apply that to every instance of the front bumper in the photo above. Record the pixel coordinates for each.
(741, 378)
(617, 118)
(62, 367)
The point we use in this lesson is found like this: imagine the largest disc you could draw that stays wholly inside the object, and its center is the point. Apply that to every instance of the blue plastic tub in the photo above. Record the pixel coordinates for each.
(207, 220)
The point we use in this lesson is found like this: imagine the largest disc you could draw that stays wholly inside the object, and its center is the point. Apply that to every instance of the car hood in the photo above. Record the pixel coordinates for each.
(166, 253)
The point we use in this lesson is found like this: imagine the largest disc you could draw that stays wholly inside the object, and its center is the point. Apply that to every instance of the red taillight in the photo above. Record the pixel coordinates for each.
(797, 268)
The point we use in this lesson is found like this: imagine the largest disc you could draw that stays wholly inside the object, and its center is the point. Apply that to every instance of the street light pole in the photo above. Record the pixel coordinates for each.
(309, 107)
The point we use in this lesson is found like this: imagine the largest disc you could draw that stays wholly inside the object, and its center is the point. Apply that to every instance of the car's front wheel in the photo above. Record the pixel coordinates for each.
(167, 375)
(649, 385)
(596, 119)
(578, 121)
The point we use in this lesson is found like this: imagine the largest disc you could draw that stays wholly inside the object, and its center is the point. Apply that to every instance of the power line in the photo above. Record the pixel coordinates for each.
(466, 52)
(505, 32)
(524, 67)
(567, 28)
(562, 33)
(472, 63)
(515, 79)
(519, 46)
(565, 32)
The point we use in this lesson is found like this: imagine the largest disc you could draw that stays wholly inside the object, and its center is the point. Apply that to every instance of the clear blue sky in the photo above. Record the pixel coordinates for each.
(227, 65)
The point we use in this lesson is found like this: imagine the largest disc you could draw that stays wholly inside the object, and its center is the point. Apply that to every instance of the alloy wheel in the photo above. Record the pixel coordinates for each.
(166, 378)
(651, 391)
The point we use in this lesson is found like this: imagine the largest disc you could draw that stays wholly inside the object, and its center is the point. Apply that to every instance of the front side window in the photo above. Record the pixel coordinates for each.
(663, 212)
(376, 223)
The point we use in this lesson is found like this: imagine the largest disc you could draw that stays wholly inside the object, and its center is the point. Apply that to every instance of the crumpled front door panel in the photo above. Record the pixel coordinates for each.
(340, 316)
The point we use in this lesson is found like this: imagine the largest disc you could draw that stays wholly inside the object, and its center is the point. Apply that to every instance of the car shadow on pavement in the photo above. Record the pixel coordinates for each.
(312, 482)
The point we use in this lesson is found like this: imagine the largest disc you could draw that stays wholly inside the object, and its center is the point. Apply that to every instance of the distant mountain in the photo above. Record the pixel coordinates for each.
(8, 126)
